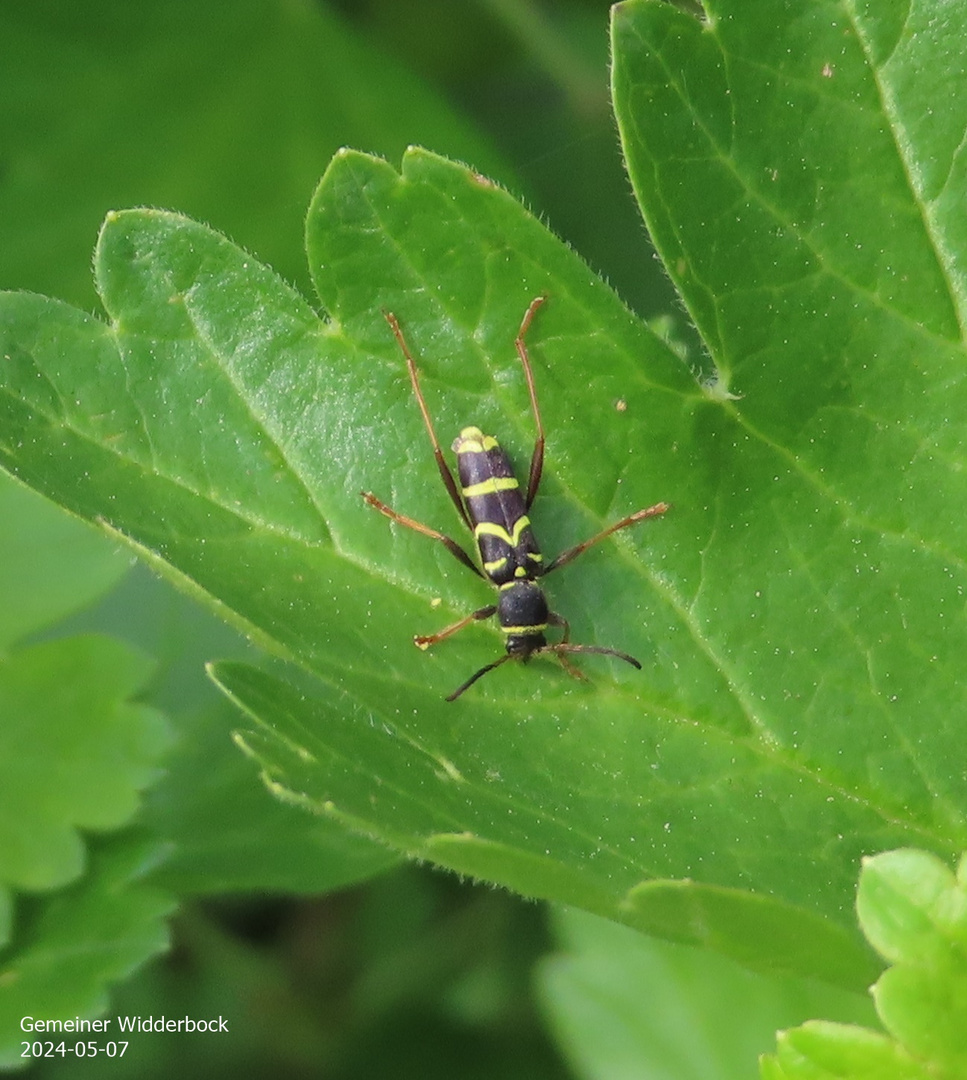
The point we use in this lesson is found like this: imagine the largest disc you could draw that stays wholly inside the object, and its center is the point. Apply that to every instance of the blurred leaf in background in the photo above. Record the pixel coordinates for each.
(77, 749)
(623, 1004)
(227, 112)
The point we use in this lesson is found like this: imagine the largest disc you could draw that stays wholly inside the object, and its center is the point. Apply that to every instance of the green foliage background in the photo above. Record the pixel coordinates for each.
(799, 613)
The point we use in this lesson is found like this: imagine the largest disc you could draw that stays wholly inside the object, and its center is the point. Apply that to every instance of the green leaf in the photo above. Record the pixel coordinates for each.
(49, 564)
(914, 911)
(79, 941)
(828, 299)
(831, 299)
(824, 1051)
(224, 430)
(74, 753)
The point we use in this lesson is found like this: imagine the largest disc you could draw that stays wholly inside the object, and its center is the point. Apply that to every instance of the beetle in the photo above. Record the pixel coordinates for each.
(492, 506)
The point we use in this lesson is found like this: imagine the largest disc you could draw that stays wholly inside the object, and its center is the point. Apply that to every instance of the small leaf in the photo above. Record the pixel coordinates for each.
(74, 753)
(824, 1051)
(904, 899)
(913, 909)
(78, 942)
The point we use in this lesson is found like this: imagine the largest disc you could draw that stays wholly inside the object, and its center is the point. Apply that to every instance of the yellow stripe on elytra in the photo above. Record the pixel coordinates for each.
(473, 441)
(488, 528)
(491, 486)
(497, 564)
(537, 628)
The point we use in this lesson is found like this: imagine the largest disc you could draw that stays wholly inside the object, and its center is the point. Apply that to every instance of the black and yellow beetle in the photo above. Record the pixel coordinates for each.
(494, 510)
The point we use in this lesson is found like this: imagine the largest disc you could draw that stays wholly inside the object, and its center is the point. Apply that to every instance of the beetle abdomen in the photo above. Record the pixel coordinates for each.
(501, 527)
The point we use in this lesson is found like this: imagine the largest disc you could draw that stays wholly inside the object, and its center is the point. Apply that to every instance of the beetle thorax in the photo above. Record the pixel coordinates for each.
(522, 613)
